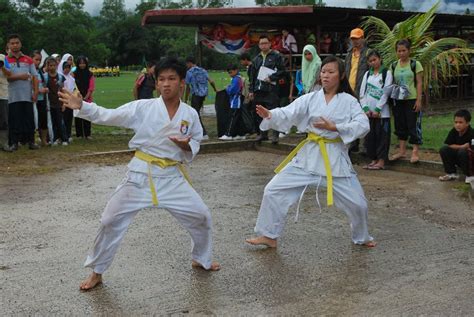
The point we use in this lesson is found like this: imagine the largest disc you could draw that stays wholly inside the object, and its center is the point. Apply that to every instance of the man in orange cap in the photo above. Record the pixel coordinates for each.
(356, 66)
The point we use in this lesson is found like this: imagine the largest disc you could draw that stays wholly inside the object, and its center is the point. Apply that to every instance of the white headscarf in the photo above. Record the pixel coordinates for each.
(64, 59)
(70, 82)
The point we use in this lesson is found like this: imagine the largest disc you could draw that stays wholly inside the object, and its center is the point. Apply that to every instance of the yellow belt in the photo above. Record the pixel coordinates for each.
(321, 141)
(163, 163)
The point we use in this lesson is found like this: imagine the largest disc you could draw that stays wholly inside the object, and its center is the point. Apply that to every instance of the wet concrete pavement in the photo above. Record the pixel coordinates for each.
(423, 264)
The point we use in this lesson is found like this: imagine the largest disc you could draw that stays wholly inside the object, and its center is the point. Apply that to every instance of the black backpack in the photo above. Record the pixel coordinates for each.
(412, 66)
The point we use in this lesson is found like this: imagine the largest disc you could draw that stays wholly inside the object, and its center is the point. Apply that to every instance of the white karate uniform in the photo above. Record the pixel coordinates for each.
(307, 167)
(153, 127)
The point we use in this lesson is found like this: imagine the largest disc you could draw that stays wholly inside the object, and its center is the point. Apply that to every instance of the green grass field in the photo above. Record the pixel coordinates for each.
(112, 92)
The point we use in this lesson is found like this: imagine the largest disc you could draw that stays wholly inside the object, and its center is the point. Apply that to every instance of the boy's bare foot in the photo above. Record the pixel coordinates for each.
(262, 240)
(370, 244)
(214, 266)
(92, 281)
(415, 158)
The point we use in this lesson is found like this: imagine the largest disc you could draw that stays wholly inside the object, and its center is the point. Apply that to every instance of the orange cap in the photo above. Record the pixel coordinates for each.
(357, 33)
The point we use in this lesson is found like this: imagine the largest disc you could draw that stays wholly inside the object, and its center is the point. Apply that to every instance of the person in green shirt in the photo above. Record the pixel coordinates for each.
(407, 111)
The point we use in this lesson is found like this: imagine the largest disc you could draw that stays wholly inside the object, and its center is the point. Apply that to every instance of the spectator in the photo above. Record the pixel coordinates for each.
(145, 83)
(85, 82)
(54, 81)
(310, 37)
(246, 61)
(356, 66)
(4, 74)
(69, 85)
(234, 91)
(325, 43)
(407, 73)
(67, 58)
(267, 69)
(288, 42)
(356, 60)
(41, 102)
(455, 151)
(310, 67)
(22, 93)
(196, 83)
(374, 103)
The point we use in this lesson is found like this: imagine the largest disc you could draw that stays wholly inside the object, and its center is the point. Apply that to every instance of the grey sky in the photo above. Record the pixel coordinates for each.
(450, 6)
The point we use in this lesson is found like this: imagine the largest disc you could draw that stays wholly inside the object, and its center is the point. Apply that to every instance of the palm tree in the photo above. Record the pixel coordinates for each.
(441, 59)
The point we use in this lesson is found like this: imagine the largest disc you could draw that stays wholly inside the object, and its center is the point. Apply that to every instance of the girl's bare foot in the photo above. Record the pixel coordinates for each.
(262, 240)
(92, 281)
(214, 266)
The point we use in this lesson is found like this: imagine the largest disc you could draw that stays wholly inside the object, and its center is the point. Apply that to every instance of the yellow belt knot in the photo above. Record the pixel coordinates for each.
(321, 141)
(163, 163)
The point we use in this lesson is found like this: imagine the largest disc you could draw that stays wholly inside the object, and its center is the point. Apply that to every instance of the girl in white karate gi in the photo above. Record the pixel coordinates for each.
(167, 132)
(333, 118)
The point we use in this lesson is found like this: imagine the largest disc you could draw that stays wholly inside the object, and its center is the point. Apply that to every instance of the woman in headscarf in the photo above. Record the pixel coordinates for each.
(65, 68)
(85, 82)
(310, 67)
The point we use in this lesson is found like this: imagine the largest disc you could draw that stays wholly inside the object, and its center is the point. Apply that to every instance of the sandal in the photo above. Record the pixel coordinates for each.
(398, 156)
(376, 168)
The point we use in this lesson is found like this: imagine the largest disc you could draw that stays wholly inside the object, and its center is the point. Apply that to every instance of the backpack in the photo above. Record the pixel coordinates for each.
(61, 80)
(412, 66)
(384, 76)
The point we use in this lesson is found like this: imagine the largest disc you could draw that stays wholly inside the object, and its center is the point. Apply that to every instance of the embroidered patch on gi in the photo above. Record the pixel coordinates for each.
(184, 127)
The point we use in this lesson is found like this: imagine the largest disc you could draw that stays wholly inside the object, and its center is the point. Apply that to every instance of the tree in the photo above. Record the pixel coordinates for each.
(173, 4)
(389, 4)
(288, 2)
(440, 59)
(467, 12)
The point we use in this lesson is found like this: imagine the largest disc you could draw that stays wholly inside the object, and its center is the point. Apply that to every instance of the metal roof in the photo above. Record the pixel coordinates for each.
(334, 18)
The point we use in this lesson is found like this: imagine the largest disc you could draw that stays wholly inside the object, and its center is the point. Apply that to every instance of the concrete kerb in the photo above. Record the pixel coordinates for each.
(428, 168)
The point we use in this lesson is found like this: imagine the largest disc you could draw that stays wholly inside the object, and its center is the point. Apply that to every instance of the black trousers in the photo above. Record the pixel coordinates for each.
(452, 158)
(83, 127)
(41, 106)
(68, 116)
(197, 103)
(377, 141)
(21, 122)
(270, 101)
(407, 121)
(235, 125)
(59, 129)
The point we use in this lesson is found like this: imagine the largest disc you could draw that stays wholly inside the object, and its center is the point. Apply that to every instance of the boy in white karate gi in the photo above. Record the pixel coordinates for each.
(167, 133)
(333, 118)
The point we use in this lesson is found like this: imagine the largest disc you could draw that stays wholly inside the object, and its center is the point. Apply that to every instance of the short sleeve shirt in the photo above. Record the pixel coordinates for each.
(196, 78)
(21, 90)
(454, 137)
(403, 75)
(4, 83)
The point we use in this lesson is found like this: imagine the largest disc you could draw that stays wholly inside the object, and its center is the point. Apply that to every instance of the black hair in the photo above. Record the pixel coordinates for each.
(263, 36)
(245, 57)
(343, 81)
(66, 64)
(82, 58)
(13, 36)
(173, 64)
(404, 42)
(190, 59)
(232, 67)
(49, 60)
(373, 53)
(36, 52)
(150, 64)
(463, 113)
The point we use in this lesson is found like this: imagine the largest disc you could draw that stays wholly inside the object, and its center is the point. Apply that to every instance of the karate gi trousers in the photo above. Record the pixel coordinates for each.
(174, 194)
(286, 188)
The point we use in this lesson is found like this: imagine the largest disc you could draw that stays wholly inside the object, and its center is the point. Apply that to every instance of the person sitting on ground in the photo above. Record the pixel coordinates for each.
(455, 151)
(234, 91)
